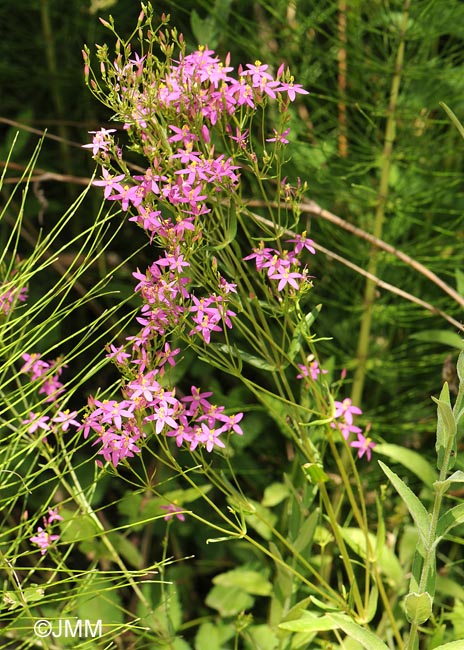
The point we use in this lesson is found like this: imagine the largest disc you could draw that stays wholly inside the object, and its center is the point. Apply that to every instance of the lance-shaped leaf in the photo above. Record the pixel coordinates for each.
(446, 428)
(366, 638)
(415, 507)
(449, 520)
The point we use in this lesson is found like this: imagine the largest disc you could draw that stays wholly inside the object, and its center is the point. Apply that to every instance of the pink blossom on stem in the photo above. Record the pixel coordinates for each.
(173, 510)
(43, 539)
(364, 446)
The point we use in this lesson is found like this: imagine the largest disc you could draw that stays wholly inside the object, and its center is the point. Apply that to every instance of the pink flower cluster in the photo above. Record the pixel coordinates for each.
(283, 266)
(171, 119)
(9, 295)
(47, 374)
(344, 412)
(44, 538)
(191, 420)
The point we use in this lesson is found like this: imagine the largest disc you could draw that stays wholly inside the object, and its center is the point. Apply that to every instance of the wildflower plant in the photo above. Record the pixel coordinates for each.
(228, 433)
(234, 287)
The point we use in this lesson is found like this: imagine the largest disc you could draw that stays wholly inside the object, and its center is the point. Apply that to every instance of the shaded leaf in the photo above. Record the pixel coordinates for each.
(410, 459)
(415, 507)
(251, 582)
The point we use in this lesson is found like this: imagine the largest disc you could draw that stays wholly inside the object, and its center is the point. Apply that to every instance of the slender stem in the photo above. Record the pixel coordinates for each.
(369, 291)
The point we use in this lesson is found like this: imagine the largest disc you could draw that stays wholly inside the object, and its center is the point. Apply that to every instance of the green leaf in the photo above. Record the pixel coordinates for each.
(449, 520)
(274, 494)
(256, 362)
(126, 549)
(29, 595)
(309, 623)
(262, 637)
(415, 507)
(454, 645)
(440, 336)
(251, 582)
(418, 607)
(314, 473)
(306, 532)
(213, 636)
(365, 637)
(459, 281)
(456, 477)
(410, 459)
(460, 366)
(229, 601)
(263, 521)
(387, 560)
(446, 428)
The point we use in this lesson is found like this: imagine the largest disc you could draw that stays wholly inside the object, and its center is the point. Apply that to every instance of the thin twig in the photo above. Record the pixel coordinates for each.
(384, 285)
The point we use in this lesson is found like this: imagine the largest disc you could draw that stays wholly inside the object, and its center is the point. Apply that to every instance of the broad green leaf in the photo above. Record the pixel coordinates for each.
(449, 520)
(418, 607)
(263, 521)
(274, 494)
(262, 637)
(309, 623)
(410, 459)
(212, 636)
(128, 550)
(228, 601)
(365, 637)
(446, 427)
(415, 507)
(251, 582)
(440, 336)
(387, 560)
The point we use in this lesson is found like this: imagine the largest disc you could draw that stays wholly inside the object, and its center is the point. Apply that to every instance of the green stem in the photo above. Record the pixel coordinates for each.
(369, 291)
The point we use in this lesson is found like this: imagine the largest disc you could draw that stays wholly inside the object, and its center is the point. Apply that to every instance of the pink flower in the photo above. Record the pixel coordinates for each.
(312, 368)
(66, 419)
(110, 183)
(364, 446)
(210, 437)
(172, 510)
(53, 515)
(101, 141)
(37, 422)
(346, 410)
(279, 137)
(301, 242)
(292, 89)
(287, 277)
(44, 540)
